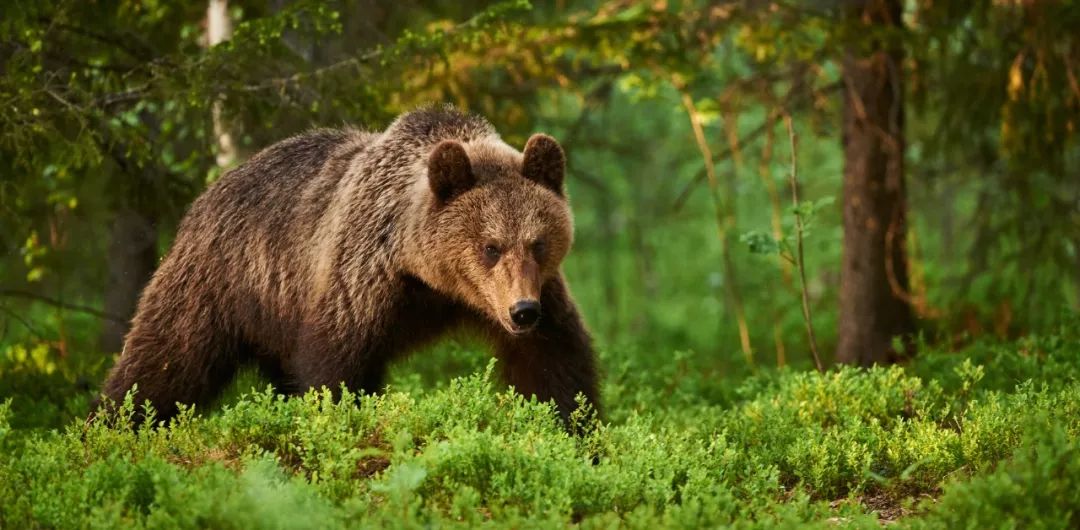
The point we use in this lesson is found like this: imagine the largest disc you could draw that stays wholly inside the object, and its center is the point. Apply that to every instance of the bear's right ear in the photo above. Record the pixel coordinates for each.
(449, 171)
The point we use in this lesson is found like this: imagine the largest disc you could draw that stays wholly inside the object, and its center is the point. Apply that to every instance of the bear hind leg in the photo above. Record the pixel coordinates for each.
(191, 367)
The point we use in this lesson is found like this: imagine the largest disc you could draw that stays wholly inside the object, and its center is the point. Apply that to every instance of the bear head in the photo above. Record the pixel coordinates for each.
(498, 226)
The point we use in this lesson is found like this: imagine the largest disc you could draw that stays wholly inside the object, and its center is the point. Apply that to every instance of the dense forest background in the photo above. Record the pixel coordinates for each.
(755, 183)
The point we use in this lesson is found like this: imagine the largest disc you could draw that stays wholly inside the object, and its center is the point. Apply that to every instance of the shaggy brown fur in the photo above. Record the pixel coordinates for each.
(328, 255)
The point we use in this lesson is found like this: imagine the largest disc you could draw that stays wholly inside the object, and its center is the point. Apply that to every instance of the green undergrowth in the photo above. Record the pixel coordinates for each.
(982, 438)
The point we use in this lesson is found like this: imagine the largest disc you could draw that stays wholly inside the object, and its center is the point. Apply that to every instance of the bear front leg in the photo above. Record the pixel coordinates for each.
(555, 361)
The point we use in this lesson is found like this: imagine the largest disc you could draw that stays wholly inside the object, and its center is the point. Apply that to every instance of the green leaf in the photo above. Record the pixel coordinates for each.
(760, 242)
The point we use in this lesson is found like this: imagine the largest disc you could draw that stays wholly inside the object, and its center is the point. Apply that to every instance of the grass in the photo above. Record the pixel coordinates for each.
(982, 438)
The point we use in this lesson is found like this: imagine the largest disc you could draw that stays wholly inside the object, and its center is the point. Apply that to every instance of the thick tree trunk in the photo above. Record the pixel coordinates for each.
(874, 279)
(132, 257)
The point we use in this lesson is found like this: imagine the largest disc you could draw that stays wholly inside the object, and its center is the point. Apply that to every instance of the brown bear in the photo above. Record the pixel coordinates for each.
(328, 255)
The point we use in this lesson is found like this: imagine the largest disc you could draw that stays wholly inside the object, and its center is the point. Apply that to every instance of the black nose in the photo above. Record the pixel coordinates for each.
(525, 313)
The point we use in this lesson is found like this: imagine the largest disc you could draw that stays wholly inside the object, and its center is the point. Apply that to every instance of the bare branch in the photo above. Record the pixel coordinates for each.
(748, 138)
(142, 51)
(14, 293)
(799, 263)
(724, 223)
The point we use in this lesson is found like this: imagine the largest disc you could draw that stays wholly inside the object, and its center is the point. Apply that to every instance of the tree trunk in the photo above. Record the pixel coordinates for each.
(218, 30)
(132, 257)
(874, 307)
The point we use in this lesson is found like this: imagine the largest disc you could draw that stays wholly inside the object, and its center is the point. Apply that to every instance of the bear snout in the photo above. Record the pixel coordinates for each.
(525, 314)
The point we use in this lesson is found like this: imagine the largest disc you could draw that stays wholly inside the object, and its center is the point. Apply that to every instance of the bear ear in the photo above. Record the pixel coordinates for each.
(449, 171)
(545, 162)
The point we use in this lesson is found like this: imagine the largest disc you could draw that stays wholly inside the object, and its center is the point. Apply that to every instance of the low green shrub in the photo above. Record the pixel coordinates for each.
(1039, 487)
(783, 449)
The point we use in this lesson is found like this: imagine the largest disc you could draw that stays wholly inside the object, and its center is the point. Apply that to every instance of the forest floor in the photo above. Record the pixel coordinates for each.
(984, 437)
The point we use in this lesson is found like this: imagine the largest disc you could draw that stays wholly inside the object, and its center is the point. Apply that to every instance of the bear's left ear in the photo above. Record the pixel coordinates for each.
(545, 162)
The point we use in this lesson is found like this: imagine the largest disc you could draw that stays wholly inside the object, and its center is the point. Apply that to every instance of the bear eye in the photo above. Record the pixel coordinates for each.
(492, 254)
(538, 247)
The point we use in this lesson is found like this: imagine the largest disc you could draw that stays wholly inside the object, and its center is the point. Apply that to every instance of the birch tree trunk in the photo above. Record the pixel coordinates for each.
(218, 30)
